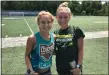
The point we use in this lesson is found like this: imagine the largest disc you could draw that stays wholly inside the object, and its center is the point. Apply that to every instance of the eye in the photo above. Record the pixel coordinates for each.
(65, 17)
(49, 22)
(60, 17)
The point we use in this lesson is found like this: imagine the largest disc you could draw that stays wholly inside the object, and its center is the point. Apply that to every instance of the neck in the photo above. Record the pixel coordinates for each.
(64, 27)
(45, 35)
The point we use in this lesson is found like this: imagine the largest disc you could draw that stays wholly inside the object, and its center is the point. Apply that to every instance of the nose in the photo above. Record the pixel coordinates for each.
(62, 20)
(46, 24)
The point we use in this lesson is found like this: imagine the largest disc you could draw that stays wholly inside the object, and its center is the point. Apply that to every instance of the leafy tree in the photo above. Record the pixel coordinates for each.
(87, 7)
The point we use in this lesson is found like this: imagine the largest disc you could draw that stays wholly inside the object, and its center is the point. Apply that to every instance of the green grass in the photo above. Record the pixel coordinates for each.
(95, 58)
(14, 28)
(86, 23)
(13, 60)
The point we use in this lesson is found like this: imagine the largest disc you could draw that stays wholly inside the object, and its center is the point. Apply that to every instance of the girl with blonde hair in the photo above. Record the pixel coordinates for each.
(40, 46)
(69, 43)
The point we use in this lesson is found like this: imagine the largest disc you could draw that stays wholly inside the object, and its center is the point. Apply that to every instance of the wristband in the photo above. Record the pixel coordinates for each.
(79, 66)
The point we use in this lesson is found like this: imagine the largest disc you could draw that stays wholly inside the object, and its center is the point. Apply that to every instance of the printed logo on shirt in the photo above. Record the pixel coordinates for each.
(63, 39)
(46, 51)
(64, 36)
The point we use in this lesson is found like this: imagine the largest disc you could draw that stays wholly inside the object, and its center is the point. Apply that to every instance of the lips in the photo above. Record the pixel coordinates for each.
(45, 28)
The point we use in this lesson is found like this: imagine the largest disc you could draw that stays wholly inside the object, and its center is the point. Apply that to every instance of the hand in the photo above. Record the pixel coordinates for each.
(34, 73)
(76, 71)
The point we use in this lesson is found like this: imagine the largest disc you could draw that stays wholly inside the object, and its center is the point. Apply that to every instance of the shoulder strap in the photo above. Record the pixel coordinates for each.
(72, 29)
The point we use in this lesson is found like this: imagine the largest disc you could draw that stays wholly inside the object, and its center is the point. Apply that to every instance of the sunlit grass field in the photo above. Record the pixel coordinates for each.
(95, 50)
(95, 58)
(15, 27)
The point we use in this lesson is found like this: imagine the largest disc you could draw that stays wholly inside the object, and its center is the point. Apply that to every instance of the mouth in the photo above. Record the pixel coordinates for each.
(45, 29)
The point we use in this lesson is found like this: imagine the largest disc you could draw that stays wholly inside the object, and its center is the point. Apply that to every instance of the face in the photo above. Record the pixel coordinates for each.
(45, 23)
(63, 18)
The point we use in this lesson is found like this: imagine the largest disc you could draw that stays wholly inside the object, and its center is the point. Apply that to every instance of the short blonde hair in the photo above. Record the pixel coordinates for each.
(44, 13)
(63, 7)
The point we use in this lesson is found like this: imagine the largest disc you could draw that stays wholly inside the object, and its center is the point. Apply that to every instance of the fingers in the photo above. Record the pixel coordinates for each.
(75, 71)
(36, 73)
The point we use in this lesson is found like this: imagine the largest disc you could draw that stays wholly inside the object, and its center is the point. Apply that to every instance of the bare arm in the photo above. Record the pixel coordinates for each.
(80, 55)
(54, 36)
(29, 47)
(81, 50)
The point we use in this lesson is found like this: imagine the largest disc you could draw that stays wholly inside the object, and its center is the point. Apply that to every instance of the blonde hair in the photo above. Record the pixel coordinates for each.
(44, 13)
(64, 7)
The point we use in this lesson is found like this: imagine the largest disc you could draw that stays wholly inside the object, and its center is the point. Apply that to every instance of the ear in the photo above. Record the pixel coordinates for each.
(56, 17)
(70, 15)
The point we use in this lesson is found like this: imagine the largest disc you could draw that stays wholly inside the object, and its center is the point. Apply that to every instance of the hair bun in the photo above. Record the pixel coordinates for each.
(65, 4)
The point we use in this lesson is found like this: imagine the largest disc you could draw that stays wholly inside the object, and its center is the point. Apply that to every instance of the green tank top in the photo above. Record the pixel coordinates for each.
(41, 55)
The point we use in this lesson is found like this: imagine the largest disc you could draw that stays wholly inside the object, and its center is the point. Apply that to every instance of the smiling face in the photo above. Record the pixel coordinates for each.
(63, 18)
(45, 23)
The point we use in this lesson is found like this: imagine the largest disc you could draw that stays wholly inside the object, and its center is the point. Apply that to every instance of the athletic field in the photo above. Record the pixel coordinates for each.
(19, 26)
(95, 50)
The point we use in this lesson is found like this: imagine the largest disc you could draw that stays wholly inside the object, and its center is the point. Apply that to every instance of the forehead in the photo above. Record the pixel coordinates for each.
(45, 17)
(62, 13)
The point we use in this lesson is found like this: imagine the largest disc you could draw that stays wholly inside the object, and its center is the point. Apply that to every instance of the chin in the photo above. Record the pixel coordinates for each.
(46, 31)
(62, 24)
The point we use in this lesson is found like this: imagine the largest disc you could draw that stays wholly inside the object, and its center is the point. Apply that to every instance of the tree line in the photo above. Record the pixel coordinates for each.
(95, 8)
